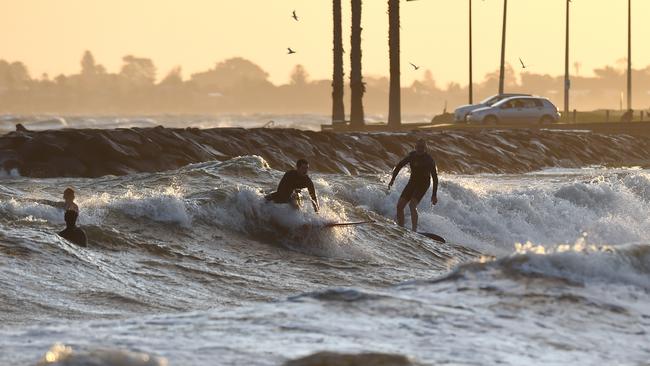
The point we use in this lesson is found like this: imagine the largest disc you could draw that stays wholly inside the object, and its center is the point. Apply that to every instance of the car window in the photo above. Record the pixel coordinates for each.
(507, 105)
(518, 103)
(491, 100)
(529, 103)
(538, 103)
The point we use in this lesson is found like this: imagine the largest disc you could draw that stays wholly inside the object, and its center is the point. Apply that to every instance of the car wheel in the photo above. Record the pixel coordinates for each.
(490, 120)
(546, 120)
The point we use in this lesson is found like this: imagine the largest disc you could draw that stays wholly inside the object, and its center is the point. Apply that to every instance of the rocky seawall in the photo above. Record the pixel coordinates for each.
(96, 152)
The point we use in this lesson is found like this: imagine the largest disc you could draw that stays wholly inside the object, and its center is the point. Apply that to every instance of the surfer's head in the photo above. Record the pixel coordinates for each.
(421, 146)
(68, 194)
(302, 166)
(71, 218)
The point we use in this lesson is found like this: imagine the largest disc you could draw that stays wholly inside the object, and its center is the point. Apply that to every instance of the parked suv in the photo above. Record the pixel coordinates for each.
(516, 110)
(461, 112)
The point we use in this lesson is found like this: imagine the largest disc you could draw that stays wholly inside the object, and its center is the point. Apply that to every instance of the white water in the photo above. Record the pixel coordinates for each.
(206, 255)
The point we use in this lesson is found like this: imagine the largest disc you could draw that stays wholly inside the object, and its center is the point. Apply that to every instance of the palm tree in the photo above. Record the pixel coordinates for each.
(356, 79)
(338, 107)
(394, 103)
(502, 69)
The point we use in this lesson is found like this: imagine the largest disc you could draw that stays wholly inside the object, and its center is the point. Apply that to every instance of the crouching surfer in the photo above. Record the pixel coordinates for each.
(72, 232)
(423, 171)
(292, 182)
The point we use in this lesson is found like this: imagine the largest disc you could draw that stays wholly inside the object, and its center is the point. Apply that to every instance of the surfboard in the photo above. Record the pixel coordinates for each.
(435, 237)
(335, 224)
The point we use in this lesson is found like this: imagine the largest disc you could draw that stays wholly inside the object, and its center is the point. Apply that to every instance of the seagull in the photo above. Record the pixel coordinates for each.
(291, 52)
(414, 66)
(294, 16)
(523, 66)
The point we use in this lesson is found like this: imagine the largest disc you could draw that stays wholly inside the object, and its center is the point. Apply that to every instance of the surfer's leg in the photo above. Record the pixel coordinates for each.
(418, 192)
(401, 204)
(413, 205)
(404, 199)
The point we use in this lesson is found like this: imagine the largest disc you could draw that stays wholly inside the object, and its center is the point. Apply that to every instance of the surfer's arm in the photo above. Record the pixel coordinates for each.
(284, 181)
(312, 194)
(434, 188)
(397, 169)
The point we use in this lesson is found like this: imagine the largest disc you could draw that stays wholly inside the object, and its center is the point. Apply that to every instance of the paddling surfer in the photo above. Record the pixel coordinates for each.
(292, 182)
(423, 171)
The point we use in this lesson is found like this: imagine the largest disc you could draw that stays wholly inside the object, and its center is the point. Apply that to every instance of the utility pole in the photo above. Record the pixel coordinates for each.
(503, 47)
(629, 55)
(471, 82)
(567, 81)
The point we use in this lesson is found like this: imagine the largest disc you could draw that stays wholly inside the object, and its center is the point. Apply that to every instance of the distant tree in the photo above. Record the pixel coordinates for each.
(338, 84)
(88, 66)
(231, 74)
(299, 76)
(428, 80)
(61, 79)
(138, 71)
(174, 78)
(13, 76)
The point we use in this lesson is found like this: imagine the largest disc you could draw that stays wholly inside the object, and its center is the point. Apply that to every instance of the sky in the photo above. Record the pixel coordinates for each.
(50, 36)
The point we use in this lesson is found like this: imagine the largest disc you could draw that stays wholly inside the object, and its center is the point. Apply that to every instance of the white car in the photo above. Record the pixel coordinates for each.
(516, 110)
(461, 112)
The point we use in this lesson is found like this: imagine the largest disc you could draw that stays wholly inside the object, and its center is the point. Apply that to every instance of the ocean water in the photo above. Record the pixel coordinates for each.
(302, 121)
(192, 267)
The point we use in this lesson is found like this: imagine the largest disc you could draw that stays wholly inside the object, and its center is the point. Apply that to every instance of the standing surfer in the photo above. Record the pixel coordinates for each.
(292, 182)
(423, 170)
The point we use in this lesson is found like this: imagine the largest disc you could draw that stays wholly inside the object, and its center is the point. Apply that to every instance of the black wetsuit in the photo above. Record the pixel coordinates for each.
(423, 167)
(292, 181)
(75, 235)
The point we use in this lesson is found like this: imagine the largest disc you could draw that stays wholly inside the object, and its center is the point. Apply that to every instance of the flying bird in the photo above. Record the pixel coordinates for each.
(523, 66)
(291, 52)
(414, 66)
(294, 16)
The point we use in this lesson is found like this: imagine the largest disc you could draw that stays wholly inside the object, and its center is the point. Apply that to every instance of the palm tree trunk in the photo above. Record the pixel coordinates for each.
(356, 79)
(338, 107)
(502, 67)
(394, 103)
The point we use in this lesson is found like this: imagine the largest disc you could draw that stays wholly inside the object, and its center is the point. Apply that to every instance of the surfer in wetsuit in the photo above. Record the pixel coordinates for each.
(68, 197)
(291, 184)
(423, 170)
(72, 232)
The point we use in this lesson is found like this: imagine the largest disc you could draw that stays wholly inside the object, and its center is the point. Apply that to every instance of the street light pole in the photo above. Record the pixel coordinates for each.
(567, 81)
(503, 48)
(629, 55)
(471, 82)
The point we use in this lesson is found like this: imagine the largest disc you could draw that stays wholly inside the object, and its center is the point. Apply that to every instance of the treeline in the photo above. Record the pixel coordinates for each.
(239, 86)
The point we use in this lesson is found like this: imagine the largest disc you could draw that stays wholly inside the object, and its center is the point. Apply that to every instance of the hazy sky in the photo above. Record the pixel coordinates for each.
(51, 35)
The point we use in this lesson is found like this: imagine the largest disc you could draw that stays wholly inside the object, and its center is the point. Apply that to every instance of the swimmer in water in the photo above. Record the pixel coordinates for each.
(72, 232)
(68, 197)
